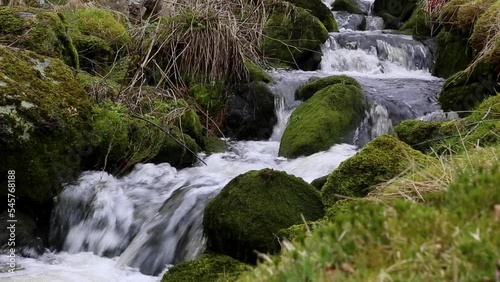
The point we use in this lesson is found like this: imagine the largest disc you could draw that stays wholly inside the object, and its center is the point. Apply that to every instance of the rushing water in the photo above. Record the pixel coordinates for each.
(109, 229)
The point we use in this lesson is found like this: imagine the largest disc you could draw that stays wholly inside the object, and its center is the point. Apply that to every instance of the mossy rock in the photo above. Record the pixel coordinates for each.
(419, 24)
(350, 6)
(486, 27)
(401, 9)
(207, 268)
(417, 133)
(307, 90)
(40, 31)
(461, 15)
(391, 22)
(453, 54)
(293, 37)
(44, 121)
(97, 35)
(464, 97)
(299, 232)
(379, 161)
(257, 73)
(253, 207)
(319, 182)
(99, 88)
(320, 11)
(323, 120)
(340, 207)
(213, 145)
(179, 149)
(211, 97)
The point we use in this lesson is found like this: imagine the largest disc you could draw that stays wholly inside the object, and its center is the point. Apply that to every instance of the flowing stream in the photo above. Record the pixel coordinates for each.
(132, 228)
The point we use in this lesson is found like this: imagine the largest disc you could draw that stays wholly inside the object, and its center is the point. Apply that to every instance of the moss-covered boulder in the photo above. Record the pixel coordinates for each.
(214, 145)
(486, 27)
(207, 268)
(252, 208)
(463, 91)
(400, 9)
(350, 6)
(211, 97)
(419, 24)
(419, 134)
(323, 120)
(257, 73)
(379, 161)
(293, 37)
(44, 118)
(461, 15)
(320, 11)
(453, 54)
(319, 182)
(40, 31)
(97, 35)
(307, 90)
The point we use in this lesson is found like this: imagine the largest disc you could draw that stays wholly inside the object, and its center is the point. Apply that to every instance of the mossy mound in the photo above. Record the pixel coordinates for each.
(319, 182)
(419, 24)
(320, 11)
(257, 73)
(214, 145)
(350, 6)
(323, 120)
(44, 118)
(40, 31)
(207, 268)
(97, 35)
(98, 88)
(253, 207)
(379, 161)
(461, 15)
(486, 28)
(307, 90)
(211, 97)
(453, 54)
(293, 37)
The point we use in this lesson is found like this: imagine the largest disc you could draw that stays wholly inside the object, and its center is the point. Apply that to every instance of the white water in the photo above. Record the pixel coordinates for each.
(109, 227)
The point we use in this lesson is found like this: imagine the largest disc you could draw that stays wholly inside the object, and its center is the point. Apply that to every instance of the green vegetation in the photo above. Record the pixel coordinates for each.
(401, 9)
(323, 120)
(207, 268)
(293, 37)
(419, 24)
(380, 160)
(40, 31)
(307, 90)
(250, 210)
(44, 115)
(350, 6)
(453, 54)
(450, 236)
(213, 145)
(320, 11)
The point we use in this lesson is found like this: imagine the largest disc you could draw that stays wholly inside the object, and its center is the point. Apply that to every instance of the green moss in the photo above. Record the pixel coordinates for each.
(390, 21)
(208, 267)
(253, 207)
(453, 54)
(257, 73)
(40, 31)
(214, 145)
(420, 134)
(98, 35)
(209, 96)
(99, 88)
(340, 207)
(319, 182)
(419, 23)
(486, 27)
(462, 98)
(379, 161)
(323, 120)
(179, 149)
(350, 6)
(319, 10)
(400, 9)
(298, 232)
(461, 15)
(293, 37)
(44, 115)
(309, 89)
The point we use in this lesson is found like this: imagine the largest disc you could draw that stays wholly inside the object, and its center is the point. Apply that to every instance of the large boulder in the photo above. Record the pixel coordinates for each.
(253, 207)
(41, 31)
(322, 121)
(250, 112)
(380, 160)
(293, 37)
(44, 118)
(207, 268)
(320, 11)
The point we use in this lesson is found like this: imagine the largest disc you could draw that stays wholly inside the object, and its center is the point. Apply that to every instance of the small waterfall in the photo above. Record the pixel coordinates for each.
(374, 23)
(374, 52)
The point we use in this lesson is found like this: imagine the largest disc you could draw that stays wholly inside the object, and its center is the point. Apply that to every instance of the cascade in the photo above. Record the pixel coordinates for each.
(133, 227)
